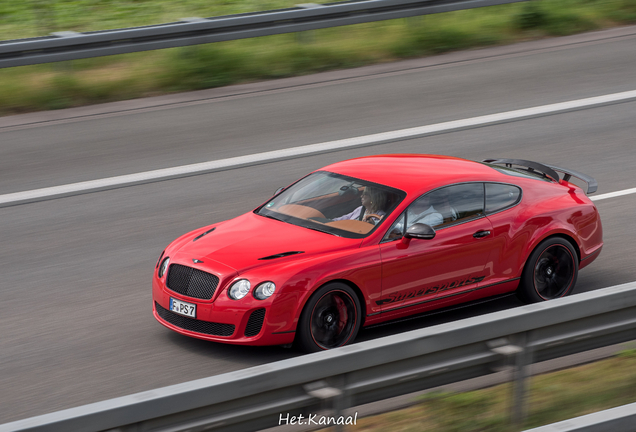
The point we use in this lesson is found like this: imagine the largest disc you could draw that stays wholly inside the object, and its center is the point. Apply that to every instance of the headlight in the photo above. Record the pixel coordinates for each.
(239, 289)
(264, 290)
(164, 267)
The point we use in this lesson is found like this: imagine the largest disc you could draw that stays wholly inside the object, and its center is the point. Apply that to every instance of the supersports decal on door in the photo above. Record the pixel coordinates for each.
(429, 290)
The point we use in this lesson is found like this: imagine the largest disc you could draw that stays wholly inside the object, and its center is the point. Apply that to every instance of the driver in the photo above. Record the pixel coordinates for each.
(373, 201)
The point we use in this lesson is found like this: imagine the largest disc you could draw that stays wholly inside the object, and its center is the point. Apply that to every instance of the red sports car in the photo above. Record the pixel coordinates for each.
(377, 238)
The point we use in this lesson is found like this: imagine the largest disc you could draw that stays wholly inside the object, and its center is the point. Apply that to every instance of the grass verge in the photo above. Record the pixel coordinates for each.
(552, 397)
(81, 82)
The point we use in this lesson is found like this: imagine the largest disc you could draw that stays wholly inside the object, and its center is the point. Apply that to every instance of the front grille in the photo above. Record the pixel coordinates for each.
(211, 328)
(191, 282)
(255, 323)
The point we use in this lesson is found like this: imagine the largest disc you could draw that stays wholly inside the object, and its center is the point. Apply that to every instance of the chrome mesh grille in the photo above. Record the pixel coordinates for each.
(191, 282)
(191, 324)
(255, 323)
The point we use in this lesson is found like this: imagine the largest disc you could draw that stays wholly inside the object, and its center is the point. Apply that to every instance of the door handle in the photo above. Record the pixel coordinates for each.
(482, 233)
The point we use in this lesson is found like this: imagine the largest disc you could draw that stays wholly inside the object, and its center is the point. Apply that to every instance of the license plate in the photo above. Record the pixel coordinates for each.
(183, 308)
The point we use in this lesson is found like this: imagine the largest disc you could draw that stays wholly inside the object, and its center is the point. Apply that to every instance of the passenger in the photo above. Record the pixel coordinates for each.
(371, 210)
(422, 211)
(442, 205)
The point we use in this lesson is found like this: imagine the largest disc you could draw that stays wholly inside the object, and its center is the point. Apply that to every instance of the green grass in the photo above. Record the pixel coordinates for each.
(552, 398)
(81, 82)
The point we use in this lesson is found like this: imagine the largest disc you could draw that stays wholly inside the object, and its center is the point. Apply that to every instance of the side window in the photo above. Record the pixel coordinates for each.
(441, 207)
(500, 196)
(465, 201)
(424, 211)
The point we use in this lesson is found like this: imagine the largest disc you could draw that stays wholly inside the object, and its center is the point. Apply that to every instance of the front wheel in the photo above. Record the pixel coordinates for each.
(550, 272)
(330, 319)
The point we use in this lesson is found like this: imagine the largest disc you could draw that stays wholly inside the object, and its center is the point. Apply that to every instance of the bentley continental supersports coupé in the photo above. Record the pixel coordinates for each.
(377, 238)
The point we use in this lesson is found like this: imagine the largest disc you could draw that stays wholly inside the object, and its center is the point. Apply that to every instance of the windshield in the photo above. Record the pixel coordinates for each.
(333, 203)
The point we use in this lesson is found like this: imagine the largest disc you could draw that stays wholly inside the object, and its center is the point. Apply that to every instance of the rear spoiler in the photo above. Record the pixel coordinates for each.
(548, 171)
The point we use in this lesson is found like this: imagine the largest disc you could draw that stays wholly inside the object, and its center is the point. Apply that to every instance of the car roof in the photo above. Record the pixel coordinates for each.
(415, 173)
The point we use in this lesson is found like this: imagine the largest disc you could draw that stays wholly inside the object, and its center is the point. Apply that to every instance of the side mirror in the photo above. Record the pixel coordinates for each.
(279, 190)
(420, 231)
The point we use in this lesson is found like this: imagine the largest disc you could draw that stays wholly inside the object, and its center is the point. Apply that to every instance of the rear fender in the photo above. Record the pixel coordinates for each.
(553, 229)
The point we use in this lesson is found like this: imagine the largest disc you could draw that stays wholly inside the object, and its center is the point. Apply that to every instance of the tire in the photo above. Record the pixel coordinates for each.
(550, 272)
(330, 319)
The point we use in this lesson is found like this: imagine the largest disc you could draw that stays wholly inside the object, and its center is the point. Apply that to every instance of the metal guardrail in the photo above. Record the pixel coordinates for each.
(256, 397)
(70, 45)
(622, 418)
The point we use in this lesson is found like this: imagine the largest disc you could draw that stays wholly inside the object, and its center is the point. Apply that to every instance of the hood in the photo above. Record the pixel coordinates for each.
(241, 243)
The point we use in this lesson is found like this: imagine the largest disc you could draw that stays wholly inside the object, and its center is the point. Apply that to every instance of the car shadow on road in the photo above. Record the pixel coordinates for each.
(246, 355)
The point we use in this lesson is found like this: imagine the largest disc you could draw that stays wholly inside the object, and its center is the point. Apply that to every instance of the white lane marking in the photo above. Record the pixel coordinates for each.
(384, 137)
(613, 194)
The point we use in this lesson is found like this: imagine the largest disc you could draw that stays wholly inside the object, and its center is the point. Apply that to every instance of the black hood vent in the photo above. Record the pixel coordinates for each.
(205, 233)
(281, 255)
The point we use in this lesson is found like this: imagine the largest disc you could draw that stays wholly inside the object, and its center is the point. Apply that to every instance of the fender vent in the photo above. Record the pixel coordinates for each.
(205, 233)
(281, 255)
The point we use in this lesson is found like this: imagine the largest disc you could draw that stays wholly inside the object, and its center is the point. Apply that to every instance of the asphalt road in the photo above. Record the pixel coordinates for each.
(75, 316)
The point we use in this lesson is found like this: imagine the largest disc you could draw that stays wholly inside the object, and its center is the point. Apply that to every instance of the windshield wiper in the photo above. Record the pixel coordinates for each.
(304, 226)
(321, 230)
(271, 217)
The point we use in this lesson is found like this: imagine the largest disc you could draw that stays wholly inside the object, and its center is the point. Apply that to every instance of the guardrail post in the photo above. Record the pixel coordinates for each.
(518, 356)
(307, 36)
(523, 359)
(64, 66)
(323, 391)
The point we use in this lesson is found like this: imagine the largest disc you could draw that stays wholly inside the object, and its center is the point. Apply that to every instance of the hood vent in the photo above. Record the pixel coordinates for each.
(205, 233)
(281, 255)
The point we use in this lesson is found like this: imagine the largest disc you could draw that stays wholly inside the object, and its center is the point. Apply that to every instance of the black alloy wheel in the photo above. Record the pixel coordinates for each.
(550, 272)
(330, 319)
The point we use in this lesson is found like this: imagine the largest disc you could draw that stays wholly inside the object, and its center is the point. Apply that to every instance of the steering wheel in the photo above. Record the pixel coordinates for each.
(371, 215)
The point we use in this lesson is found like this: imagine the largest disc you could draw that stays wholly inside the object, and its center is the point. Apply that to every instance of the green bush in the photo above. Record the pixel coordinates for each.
(431, 40)
(556, 18)
(564, 22)
(622, 11)
(299, 59)
(532, 16)
(427, 40)
(202, 66)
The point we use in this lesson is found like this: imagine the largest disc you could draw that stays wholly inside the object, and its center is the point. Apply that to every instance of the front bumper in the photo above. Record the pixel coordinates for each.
(245, 322)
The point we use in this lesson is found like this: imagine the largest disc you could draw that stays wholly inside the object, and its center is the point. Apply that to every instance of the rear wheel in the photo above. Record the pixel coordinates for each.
(550, 272)
(330, 319)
